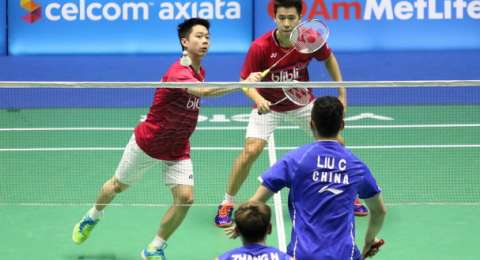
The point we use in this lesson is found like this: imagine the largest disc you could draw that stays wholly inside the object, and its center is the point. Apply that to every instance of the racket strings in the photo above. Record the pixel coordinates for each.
(309, 36)
(299, 96)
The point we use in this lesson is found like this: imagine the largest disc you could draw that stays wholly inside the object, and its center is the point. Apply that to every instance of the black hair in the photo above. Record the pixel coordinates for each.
(327, 115)
(287, 4)
(184, 29)
(253, 221)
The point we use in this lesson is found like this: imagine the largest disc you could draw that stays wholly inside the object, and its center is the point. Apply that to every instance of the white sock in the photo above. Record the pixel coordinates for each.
(95, 214)
(228, 199)
(158, 242)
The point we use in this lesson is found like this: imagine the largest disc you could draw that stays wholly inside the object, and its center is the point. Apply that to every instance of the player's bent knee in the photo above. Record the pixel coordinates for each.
(184, 199)
(253, 148)
(183, 195)
(118, 187)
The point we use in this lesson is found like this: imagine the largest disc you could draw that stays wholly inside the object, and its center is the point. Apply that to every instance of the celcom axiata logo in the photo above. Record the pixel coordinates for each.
(34, 11)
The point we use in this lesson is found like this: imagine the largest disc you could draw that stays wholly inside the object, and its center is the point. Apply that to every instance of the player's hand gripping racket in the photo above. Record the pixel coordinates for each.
(307, 37)
(375, 247)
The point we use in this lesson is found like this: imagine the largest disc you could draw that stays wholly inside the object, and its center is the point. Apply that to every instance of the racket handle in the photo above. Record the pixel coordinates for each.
(376, 245)
(265, 72)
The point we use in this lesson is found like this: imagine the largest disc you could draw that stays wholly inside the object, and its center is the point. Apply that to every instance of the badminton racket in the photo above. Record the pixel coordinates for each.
(307, 37)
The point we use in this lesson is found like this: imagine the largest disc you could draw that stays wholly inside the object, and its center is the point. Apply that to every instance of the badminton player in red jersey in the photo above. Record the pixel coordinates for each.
(163, 138)
(265, 117)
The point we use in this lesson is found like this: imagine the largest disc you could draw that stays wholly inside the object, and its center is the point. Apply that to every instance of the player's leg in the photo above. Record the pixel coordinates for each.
(179, 177)
(131, 167)
(259, 129)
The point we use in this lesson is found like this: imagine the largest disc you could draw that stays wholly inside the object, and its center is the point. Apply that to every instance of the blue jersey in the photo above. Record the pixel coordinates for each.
(324, 179)
(254, 252)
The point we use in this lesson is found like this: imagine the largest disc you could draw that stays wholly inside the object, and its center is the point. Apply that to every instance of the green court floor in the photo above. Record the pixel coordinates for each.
(53, 161)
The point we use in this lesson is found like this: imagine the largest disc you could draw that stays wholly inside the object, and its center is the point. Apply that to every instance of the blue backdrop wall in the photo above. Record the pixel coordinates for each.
(3, 27)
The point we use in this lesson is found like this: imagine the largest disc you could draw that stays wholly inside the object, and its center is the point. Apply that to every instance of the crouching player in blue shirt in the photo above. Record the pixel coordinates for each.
(252, 223)
(324, 179)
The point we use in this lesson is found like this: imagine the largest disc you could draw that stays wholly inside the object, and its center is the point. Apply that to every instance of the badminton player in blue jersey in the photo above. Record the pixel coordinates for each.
(324, 179)
(252, 223)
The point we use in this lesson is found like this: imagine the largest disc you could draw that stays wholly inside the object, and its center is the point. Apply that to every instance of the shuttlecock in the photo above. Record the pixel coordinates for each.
(185, 60)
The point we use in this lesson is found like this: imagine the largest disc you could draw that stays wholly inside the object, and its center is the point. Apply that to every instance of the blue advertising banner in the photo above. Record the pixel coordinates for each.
(372, 25)
(122, 26)
(3, 27)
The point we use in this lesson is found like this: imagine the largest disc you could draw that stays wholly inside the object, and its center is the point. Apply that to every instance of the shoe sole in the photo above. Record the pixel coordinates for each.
(224, 225)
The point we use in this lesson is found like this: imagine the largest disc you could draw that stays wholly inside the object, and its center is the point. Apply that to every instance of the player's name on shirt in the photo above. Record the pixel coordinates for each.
(266, 256)
(326, 164)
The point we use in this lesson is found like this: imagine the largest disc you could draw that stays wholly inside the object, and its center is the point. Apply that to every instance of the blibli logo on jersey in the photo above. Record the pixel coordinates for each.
(89, 10)
(286, 75)
(193, 103)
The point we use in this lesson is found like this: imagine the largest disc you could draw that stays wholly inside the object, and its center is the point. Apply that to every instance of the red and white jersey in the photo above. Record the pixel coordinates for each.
(172, 118)
(264, 52)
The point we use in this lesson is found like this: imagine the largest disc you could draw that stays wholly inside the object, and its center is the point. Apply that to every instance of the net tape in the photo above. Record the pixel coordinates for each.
(310, 84)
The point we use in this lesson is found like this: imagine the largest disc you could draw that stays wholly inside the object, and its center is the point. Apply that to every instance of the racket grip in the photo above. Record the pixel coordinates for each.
(265, 72)
(377, 245)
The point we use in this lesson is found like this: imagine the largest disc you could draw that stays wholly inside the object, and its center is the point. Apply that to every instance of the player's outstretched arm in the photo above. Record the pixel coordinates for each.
(377, 211)
(336, 75)
(202, 92)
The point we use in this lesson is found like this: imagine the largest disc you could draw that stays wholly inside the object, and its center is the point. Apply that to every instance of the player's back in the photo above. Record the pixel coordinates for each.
(326, 178)
(254, 251)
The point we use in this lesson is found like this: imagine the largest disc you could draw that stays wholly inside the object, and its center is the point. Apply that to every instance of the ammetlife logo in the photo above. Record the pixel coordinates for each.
(144, 10)
(391, 10)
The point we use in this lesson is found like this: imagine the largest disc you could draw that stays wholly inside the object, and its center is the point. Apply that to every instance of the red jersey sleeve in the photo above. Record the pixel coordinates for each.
(254, 61)
(323, 53)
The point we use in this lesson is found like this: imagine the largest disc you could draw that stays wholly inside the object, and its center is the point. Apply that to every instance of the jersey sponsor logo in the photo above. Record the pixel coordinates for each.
(390, 10)
(124, 10)
(193, 103)
(332, 190)
(285, 75)
(288, 74)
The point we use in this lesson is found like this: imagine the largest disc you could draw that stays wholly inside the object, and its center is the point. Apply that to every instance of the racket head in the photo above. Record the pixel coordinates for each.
(298, 96)
(309, 36)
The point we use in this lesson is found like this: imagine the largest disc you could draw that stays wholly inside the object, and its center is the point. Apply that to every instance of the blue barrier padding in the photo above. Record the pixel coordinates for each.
(435, 65)
(3, 27)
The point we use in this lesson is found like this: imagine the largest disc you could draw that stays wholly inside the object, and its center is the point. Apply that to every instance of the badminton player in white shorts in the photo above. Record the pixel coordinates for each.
(265, 117)
(163, 138)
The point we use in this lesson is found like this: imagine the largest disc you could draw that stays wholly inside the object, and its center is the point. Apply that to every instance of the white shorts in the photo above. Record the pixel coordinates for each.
(135, 162)
(262, 126)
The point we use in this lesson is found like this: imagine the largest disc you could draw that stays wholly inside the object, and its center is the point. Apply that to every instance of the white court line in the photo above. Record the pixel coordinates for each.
(353, 147)
(232, 127)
